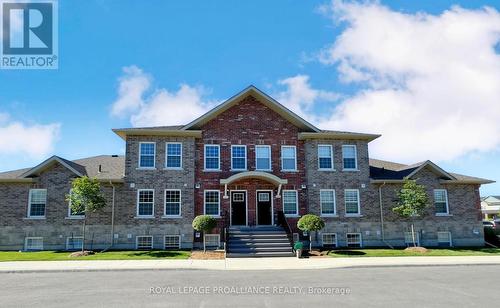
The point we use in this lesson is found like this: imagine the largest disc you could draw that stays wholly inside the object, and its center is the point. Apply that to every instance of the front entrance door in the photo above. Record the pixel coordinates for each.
(264, 208)
(238, 208)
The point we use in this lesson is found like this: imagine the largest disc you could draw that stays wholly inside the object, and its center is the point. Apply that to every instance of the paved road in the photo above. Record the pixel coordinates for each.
(448, 286)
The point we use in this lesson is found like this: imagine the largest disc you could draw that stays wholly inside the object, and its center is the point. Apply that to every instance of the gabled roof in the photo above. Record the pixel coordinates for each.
(73, 167)
(264, 99)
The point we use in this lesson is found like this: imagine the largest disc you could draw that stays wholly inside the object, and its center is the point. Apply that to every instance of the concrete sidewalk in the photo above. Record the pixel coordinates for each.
(289, 263)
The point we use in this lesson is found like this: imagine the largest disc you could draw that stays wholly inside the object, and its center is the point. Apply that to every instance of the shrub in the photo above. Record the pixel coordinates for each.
(204, 223)
(309, 223)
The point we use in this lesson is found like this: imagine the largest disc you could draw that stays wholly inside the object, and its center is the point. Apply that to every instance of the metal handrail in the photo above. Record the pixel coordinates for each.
(284, 223)
(224, 229)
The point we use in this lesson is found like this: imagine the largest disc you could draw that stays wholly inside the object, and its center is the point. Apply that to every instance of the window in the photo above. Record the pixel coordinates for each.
(288, 158)
(33, 243)
(263, 157)
(329, 239)
(351, 197)
(353, 240)
(174, 156)
(145, 202)
(290, 204)
(144, 242)
(147, 154)
(238, 157)
(238, 197)
(349, 157)
(74, 243)
(212, 157)
(444, 239)
(441, 201)
(212, 241)
(172, 242)
(37, 202)
(212, 202)
(409, 238)
(263, 197)
(72, 213)
(325, 157)
(327, 201)
(173, 202)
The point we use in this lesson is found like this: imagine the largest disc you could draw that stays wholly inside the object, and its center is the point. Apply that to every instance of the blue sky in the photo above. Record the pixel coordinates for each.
(206, 51)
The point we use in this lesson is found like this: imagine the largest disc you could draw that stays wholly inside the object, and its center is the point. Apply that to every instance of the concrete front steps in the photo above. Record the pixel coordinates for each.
(248, 242)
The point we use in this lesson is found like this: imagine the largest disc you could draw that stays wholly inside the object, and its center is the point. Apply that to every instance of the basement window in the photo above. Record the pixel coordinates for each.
(353, 240)
(144, 242)
(172, 242)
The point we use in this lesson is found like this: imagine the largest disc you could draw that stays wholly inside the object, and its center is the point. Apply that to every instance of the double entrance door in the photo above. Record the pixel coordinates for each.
(239, 207)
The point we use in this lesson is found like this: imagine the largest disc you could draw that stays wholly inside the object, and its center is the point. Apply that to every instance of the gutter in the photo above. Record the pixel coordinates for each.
(382, 216)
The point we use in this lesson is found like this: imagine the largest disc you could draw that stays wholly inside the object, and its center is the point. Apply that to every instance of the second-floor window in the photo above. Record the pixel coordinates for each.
(349, 157)
(263, 157)
(147, 154)
(325, 157)
(441, 201)
(288, 158)
(238, 157)
(290, 202)
(327, 201)
(212, 157)
(145, 202)
(172, 203)
(37, 203)
(351, 198)
(174, 155)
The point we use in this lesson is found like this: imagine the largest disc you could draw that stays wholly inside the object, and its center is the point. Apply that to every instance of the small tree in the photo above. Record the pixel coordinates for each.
(204, 223)
(85, 197)
(310, 223)
(412, 202)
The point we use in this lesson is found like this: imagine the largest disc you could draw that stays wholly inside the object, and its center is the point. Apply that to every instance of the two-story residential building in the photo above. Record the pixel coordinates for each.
(248, 162)
(490, 207)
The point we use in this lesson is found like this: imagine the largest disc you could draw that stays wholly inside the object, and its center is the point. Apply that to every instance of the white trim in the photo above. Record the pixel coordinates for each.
(205, 201)
(296, 202)
(410, 238)
(295, 156)
(329, 233)
(31, 238)
(269, 159)
(171, 235)
(231, 206)
(257, 205)
(449, 238)
(73, 237)
(165, 204)
(137, 204)
(166, 156)
(205, 157)
(331, 158)
(360, 239)
(246, 157)
(214, 235)
(154, 155)
(355, 157)
(137, 242)
(447, 213)
(345, 203)
(334, 203)
(29, 205)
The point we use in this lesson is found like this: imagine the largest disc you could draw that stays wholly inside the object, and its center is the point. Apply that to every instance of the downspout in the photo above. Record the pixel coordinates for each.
(112, 218)
(382, 216)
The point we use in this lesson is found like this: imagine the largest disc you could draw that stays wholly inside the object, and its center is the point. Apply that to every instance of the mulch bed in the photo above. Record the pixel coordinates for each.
(207, 255)
(417, 249)
(315, 254)
(77, 254)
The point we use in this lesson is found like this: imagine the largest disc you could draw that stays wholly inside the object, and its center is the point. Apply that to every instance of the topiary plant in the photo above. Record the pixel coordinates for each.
(310, 223)
(204, 223)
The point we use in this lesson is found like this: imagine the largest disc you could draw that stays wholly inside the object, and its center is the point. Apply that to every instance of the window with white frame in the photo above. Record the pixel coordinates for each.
(409, 238)
(351, 198)
(238, 157)
(288, 158)
(33, 243)
(147, 152)
(349, 157)
(212, 157)
(263, 157)
(173, 202)
(74, 243)
(144, 242)
(325, 157)
(329, 239)
(173, 155)
(172, 241)
(238, 197)
(353, 240)
(37, 203)
(444, 238)
(72, 213)
(145, 202)
(212, 241)
(327, 201)
(290, 202)
(212, 202)
(441, 201)
(264, 197)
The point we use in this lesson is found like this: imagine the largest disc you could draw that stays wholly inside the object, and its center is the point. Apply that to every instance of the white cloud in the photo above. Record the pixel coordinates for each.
(429, 83)
(161, 107)
(35, 140)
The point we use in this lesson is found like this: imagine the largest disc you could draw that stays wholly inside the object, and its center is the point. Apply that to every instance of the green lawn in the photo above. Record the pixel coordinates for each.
(402, 253)
(108, 255)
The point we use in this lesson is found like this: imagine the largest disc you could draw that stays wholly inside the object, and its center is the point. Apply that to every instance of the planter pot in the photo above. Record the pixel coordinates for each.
(299, 253)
